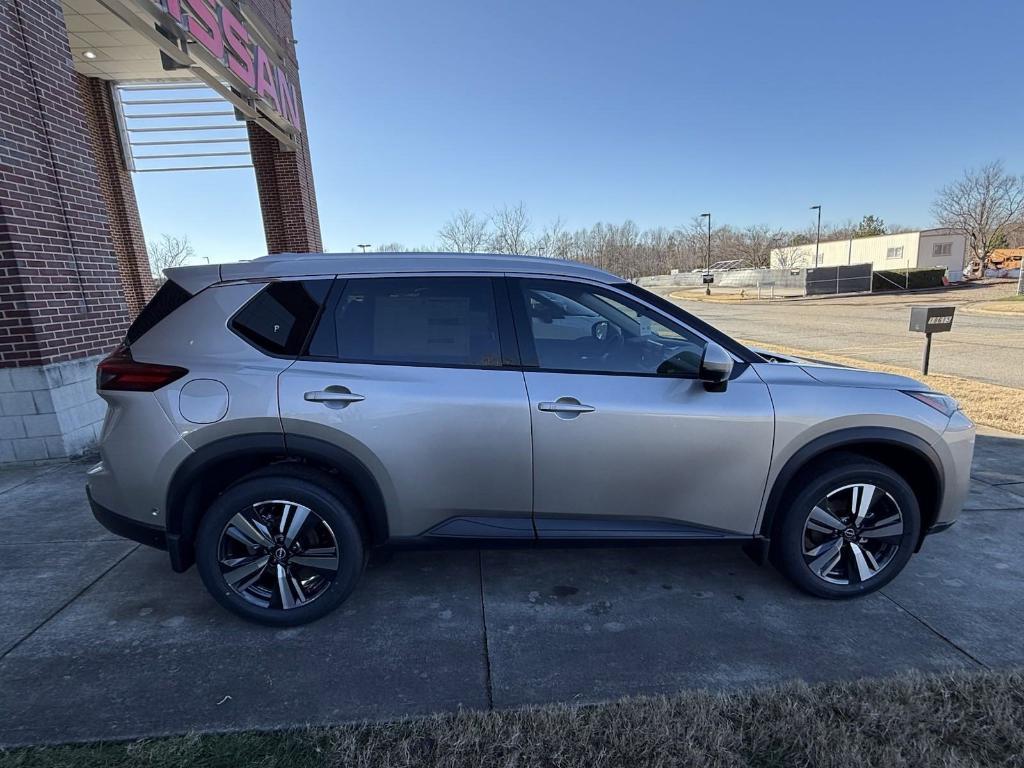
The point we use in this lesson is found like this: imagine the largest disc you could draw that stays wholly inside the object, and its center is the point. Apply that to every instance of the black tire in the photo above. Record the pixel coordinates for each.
(792, 543)
(338, 519)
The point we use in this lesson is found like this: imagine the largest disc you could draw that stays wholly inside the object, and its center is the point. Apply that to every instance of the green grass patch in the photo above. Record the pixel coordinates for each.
(950, 721)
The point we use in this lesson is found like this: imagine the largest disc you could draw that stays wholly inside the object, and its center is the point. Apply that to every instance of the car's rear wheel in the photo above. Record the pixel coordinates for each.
(848, 530)
(281, 548)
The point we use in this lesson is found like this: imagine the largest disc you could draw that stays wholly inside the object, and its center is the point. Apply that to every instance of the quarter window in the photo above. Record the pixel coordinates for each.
(577, 327)
(418, 320)
(278, 319)
(167, 299)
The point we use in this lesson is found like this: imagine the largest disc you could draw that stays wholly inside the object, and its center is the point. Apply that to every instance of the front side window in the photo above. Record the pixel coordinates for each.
(418, 320)
(578, 327)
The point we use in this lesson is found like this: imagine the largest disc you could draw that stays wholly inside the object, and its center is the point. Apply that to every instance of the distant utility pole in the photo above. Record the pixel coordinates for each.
(364, 246)
(817, 237)
(707, 263)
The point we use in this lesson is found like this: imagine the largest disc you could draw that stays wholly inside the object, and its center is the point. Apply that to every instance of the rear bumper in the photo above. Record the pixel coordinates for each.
(126, 527)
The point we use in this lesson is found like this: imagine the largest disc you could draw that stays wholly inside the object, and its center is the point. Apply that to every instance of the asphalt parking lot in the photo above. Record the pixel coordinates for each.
(874, 328)
(100, 640)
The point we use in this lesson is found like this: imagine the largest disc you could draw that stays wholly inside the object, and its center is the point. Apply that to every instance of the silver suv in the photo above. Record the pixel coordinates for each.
(273, 421)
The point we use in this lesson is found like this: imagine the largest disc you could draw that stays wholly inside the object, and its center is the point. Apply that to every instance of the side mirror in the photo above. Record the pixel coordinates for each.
(715, 367)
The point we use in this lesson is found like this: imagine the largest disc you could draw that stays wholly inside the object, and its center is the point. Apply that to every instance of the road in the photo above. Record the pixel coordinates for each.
(873, 328)
(100, 640)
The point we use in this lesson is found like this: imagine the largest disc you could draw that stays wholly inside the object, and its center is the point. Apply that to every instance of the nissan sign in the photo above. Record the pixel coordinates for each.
(247, 63)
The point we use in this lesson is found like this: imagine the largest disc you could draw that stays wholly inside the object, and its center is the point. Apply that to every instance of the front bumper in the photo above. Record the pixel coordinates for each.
(126, 527)
(956, 452)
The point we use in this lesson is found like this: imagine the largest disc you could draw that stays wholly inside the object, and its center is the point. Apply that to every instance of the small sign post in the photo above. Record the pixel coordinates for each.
(708, 278)
(929, 320)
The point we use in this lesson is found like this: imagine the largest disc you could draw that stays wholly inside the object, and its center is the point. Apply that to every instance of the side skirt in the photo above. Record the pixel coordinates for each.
(468, 531)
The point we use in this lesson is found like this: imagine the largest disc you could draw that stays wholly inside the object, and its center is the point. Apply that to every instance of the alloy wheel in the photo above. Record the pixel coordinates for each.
(278, 554)
(852, 534)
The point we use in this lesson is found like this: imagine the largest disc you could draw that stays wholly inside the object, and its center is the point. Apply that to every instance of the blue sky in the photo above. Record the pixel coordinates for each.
(602, 111)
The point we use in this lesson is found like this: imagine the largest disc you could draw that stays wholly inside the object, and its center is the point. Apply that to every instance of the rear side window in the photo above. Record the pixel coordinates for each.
(166, 300)
(278, 319)
(416, 320)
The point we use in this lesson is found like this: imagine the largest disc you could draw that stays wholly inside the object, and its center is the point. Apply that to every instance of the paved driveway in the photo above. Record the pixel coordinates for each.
(99, 639)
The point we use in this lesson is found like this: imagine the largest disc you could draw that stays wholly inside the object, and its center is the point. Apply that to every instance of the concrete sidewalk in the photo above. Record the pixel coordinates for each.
(100, 640)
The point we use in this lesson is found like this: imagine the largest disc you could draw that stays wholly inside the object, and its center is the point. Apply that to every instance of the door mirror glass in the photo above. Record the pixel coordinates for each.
(715, 365)
(683, 363)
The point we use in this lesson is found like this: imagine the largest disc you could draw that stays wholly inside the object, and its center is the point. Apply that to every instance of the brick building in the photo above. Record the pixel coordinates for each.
(73, 263)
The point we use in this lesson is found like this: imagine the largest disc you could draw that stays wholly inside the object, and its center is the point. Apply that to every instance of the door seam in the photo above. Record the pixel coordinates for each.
(533, 464)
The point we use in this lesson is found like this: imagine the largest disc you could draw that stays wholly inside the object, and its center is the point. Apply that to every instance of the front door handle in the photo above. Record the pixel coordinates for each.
(566, 407)
(334, 397)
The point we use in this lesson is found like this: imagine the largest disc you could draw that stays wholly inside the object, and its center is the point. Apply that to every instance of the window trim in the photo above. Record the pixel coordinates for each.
(508, 348)
(524, 330)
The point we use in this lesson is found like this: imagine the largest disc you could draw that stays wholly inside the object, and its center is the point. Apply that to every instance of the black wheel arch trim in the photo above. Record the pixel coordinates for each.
(183, 495)
(848, 438)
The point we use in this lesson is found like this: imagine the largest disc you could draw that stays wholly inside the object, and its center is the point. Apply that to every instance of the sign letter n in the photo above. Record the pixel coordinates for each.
(265, 85)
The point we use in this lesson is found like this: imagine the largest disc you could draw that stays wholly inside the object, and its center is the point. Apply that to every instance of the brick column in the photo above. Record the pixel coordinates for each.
(61, 299)
(284, 179)
(118, 192)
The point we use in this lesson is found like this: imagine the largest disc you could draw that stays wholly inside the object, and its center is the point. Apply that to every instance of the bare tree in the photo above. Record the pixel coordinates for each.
(392, 248)
(631, 252)
(793, 256)
(553, 242)
(169, 251)
(755, 243)
(986, 204)
(510, 230)
(465, 232)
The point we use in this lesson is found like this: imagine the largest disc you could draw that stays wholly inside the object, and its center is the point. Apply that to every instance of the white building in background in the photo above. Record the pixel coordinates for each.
(913, 250)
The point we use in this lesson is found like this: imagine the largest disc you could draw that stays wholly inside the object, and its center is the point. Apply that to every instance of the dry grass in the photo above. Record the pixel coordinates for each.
(953, 721)
(1011, 306)
(729, 295)
(988, 404)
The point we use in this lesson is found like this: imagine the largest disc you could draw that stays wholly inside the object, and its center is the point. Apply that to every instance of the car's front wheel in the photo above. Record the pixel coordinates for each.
(849, 529)
(281, 548)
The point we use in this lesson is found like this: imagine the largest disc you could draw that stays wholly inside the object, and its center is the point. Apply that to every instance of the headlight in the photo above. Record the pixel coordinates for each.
(944, 404)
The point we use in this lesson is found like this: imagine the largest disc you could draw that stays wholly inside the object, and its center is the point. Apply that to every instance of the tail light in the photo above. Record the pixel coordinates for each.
(119, 373)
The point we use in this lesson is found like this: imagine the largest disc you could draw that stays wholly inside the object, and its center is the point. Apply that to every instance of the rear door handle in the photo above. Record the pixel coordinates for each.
(337, 396)
(569, 406)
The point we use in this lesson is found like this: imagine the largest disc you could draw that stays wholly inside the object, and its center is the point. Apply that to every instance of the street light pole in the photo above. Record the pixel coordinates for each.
(817, 237)
(364, 246)
(707, 263)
